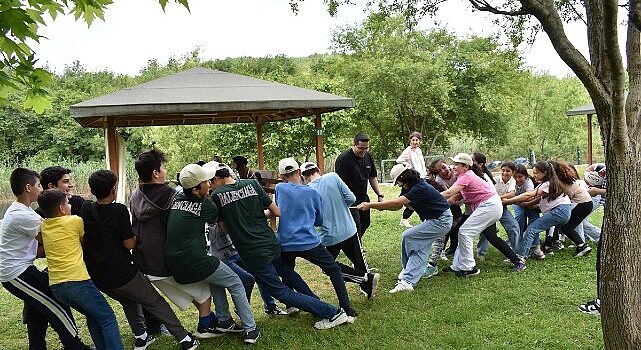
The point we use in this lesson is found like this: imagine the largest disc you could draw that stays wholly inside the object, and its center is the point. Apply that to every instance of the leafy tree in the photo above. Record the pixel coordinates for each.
(613, 82)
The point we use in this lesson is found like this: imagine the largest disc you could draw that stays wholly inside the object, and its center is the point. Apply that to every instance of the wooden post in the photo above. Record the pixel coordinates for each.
(320, 154)
(259, 145)
(112, 149)
(589, 139)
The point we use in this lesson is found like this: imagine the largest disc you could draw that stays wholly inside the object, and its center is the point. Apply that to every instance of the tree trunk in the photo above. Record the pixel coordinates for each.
(620, 285)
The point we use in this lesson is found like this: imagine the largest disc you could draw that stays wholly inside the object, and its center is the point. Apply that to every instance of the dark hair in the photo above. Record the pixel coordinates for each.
(432, 167)
(149, 161)
(310, 172)
(49, 201)
(101, 183)
(510, 165)
(520, 169)
(239, 160)
(223, 173)
(218, 159)
(565, 172)
(436, 185)
(409, 177)
(361, 137)
(547, 168)
(20, 178)
(188, 191)
(416, 134)
(480, 158)
(52, 174)
(200, 162)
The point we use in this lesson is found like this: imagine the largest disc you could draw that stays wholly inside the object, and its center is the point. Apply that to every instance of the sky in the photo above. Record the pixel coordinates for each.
(136, 31)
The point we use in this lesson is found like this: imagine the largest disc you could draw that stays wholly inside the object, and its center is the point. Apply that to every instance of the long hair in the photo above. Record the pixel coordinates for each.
(564, 171)
(520, 169)
(480, 158)
(547, 169)
(432, 166)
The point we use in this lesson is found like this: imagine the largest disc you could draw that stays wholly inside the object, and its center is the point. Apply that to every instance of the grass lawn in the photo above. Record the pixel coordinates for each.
(535, 309)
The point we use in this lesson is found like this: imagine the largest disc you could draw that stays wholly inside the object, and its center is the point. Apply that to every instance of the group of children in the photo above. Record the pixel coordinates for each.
(159, 244)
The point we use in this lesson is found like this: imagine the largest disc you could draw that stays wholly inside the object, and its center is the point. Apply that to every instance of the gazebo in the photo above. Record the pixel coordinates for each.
(203, 96)
(588, 110)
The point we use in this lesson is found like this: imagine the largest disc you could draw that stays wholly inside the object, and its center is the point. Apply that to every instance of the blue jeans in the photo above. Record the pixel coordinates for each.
(84, 297)
(558, 215)
(304, 299)
(416, 243)
(320, 257)
(511, 228)
(225, 278)
(523, 217)
(248, 280)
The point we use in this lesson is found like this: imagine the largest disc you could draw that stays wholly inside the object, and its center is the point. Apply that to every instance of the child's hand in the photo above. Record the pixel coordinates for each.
(363, 206)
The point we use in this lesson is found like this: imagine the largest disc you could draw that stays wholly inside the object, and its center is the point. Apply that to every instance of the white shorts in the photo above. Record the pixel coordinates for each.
(182, 294)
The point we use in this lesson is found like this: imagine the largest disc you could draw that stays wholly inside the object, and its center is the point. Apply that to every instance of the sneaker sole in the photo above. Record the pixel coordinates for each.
(376, 278)
(584, 252)
(225, 330)
(351, 319)
(339, 321)
(207, 335)
(146, 345)
(590, 312)
(251, 341)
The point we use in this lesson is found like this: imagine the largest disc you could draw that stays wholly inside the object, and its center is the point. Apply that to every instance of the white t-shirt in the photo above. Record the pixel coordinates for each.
(503, 188)
(414, 156)
(18, 246)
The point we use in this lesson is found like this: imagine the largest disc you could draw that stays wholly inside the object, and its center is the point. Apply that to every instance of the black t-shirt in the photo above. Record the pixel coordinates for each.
(356, 171)
(426, 201)
(108, 262)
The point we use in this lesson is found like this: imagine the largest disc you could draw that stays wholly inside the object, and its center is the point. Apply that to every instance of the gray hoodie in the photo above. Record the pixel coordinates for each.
(150, 205)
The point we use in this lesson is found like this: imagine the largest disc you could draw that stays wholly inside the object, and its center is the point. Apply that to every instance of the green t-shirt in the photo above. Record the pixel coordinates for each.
(186, 248)
(241, 207)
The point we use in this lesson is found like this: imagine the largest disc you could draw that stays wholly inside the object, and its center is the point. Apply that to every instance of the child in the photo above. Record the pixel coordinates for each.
(301, 209)
(523, 213)
(62, 235)
(243, 208)
(338, 231)
(60, 178)
(107, 244)
(435, 215)
(414, 157)
(186, 251)
(445, 176)
(19, 276)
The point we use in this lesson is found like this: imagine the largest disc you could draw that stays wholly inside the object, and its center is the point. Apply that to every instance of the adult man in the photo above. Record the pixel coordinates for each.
(356, 168)
(338, 231)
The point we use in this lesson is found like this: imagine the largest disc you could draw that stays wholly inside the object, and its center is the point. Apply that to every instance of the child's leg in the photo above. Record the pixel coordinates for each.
(224, 278)
(350, 274)
(320, 257)
(499, 243)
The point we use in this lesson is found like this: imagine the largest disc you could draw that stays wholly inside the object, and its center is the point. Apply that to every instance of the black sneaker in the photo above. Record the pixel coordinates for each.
(369, 288)
(251, 336)
(190, 344)
(450, 251)
(582, 250)
(449, 270)
(142, 344)
(276, 312)
(209, 331)
(468, 273)
(229, 326)
(592, 307)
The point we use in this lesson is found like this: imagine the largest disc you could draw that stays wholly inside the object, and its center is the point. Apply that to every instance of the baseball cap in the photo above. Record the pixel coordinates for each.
(193, 174)
(397, 170)
(463, 158)
(308, 166)
(287, 165)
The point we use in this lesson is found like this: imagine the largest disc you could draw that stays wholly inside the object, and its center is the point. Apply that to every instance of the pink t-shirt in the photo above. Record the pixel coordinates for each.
(475, 190)
(545, 204)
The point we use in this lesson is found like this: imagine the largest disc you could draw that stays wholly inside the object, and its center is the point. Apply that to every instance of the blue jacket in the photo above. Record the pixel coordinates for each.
(300, 211)
(338, 224)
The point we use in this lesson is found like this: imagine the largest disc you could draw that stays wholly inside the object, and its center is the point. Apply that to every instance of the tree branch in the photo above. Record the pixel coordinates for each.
(483, 5)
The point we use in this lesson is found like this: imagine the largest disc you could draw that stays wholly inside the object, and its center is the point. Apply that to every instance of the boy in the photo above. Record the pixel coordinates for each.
(68, 278)
(150, 205)
(243, 208)
(19, 276)
(338, 231)
(58, 177)
(107, 243)
(186, 251)
(301, 210)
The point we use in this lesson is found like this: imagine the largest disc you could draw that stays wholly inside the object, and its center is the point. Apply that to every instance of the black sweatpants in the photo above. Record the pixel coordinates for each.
(352, 249)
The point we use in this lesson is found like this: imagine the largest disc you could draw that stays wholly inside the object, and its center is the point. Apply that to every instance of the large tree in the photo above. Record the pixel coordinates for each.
(608, 77)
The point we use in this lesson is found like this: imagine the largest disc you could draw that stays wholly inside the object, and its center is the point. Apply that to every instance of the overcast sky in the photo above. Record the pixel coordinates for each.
(135, 31)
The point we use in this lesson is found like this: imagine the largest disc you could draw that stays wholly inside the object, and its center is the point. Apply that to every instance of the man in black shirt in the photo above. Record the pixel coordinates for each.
(356, 168)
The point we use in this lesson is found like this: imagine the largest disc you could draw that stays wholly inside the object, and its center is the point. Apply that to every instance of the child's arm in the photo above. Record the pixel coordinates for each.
(452, 191)
(392, 204)
(524, 197)
(272, 211)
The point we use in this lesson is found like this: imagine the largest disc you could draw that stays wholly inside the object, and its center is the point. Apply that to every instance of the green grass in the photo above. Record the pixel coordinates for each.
(536, 309)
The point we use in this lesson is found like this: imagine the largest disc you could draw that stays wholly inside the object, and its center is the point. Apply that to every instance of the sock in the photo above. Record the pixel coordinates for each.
(203, 320)
(142, 336)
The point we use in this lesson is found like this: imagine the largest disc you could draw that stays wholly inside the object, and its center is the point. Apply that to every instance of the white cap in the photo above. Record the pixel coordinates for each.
(397, 170)
(287, 165)
(463, 158)
(308, 166)
(193, 174)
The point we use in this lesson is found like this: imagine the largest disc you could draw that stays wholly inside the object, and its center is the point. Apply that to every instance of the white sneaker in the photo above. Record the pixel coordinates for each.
(291, 311)
(402, 286)
(327, 323)
(406, 223)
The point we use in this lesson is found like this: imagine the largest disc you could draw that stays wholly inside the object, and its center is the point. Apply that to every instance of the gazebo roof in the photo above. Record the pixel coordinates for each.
(205, 96)
(581, 110)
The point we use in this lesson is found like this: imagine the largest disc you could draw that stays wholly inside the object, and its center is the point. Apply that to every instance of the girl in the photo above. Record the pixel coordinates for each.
(414, 157)
(486, 211)
(524, 213)
(445, 176)
(554, 204)
(436, 220)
